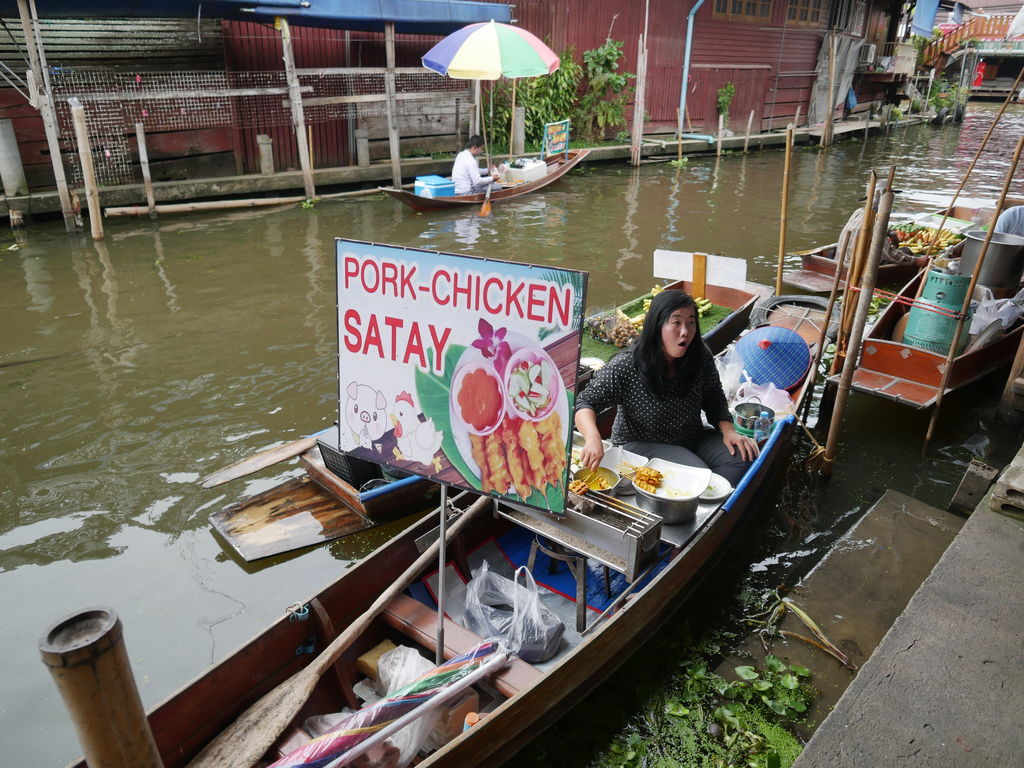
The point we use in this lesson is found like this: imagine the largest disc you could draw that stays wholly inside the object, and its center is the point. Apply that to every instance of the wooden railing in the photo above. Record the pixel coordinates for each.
(993, 28)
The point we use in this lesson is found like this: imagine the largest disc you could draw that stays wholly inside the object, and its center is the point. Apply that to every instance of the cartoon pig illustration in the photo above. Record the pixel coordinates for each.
(366, 414)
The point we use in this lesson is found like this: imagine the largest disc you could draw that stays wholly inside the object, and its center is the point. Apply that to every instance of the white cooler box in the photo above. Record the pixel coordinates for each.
(529, 173)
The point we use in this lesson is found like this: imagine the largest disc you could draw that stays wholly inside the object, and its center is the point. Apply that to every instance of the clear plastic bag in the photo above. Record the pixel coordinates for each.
(502, 608)
(767, 394)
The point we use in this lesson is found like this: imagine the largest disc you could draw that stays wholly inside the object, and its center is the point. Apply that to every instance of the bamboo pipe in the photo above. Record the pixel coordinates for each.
(867, 288)
(92, 194)
(860, 247)
(948, 367)
(147, 180)
(967, 174)
(785, 209)
(86, 656)
(254, 731)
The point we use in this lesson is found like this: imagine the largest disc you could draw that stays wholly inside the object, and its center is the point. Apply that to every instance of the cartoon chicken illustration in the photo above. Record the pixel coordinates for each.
(417, 440)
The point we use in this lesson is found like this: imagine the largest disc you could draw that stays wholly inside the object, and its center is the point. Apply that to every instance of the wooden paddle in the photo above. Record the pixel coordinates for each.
(485, 209)
(254, 732)
(259, 461)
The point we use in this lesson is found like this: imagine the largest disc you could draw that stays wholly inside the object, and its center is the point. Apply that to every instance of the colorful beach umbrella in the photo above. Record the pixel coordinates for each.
(490, 50)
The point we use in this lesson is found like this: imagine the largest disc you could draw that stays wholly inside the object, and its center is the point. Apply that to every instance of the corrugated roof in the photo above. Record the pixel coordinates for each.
(410, 16)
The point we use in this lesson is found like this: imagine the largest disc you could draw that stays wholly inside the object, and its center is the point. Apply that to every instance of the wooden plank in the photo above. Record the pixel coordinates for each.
(419, 623)
(294, 515)
(902, 361)
(201, 93)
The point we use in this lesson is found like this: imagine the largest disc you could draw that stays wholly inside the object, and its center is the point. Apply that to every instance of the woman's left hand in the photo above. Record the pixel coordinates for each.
(735, 442)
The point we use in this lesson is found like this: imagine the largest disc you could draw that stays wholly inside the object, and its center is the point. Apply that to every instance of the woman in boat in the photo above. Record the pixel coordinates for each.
(660, 385)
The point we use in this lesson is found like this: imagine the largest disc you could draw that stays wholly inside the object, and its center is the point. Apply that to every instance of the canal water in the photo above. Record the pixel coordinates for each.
(132, 367)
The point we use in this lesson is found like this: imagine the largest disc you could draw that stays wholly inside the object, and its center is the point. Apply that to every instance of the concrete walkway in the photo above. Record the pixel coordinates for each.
(946, 685)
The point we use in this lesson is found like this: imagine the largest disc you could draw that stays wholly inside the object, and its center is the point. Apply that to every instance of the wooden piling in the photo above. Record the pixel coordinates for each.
(784, 214)
(746, 138)
(92, 194)
(721, 129)
(389, 87)
(140, 135)
(86, 656)
(295, 102)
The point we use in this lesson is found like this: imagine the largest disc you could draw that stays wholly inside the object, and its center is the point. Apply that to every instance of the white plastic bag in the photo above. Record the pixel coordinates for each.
(730, 372)
(500, 608)
(396, 669)
(767, 394)
(1006, 311)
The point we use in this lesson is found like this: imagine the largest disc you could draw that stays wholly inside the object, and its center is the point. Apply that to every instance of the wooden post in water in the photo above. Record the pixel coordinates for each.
(86, 656)
(826, 128)
(636, 143)
(784, 215)
(860, 248)
(295, 102)
(147, 181)
(796, 118)
(867, 288)
(948, 368)
(41, 97)
(92, 194)
(746, 138)
(718, 142)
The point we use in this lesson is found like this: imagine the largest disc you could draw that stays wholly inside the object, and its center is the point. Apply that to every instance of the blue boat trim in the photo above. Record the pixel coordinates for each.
(762, 457)
(373, 493)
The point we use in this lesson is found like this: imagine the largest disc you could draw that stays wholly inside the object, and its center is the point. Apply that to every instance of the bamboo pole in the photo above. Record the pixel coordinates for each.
(805, 403)
(92, 194)
(718, 142)
(637, 137)
(967, 174)
(746, 138)
(295, 101)
(147, 181)
(88, 662)
(42, 99)
(948, 367)
(860, 247)
(783, 216)
(867, 288)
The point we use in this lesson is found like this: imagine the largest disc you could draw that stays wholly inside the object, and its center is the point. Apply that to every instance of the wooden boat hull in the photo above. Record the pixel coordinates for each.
(558, 167)
(912, 376)
(190, 718)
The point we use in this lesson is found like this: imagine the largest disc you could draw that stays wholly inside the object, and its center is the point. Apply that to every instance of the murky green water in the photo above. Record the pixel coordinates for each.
(129, 369)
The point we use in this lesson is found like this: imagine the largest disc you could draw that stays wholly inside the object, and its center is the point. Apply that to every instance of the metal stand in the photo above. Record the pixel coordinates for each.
(577, 565)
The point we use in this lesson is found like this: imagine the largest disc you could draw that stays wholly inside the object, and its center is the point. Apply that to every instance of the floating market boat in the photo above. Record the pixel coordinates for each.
(557, 167)
(818, 265)
(892, 368)
(322, 505)
(654, 566)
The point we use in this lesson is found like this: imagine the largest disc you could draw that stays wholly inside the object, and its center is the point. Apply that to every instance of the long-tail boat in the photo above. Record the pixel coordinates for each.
(522, 698)
(320, 505)
(557, 167)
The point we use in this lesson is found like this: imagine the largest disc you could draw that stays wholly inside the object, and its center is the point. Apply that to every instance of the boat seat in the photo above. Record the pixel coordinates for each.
(419, 623)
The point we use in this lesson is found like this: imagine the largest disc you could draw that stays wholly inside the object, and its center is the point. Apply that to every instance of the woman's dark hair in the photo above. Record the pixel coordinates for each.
(647, 352)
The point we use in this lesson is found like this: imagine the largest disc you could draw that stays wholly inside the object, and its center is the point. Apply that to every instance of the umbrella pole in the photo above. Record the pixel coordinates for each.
(512, 121)
(441, 557)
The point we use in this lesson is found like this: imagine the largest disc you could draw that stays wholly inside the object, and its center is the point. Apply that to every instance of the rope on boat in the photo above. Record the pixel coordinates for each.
(925, 305)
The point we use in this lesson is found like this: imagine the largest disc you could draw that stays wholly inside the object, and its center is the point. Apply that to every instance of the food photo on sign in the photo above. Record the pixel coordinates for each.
(459, 369)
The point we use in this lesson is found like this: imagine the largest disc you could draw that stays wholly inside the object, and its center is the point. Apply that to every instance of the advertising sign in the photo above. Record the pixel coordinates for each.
(459, 369)
(556, 138)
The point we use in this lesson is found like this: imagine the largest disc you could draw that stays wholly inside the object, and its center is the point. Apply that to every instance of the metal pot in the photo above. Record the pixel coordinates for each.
(671, 511)
(1004, 260)
(745, 414)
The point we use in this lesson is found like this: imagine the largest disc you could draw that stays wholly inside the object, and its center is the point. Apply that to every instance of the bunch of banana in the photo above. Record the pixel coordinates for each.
(919, 240)
(703, 305)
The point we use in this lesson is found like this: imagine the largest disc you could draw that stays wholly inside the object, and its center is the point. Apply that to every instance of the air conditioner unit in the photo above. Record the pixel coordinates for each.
(866, 55)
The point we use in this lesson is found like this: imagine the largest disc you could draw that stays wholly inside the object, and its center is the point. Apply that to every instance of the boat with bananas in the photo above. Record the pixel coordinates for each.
(288, 693)
(916, 236)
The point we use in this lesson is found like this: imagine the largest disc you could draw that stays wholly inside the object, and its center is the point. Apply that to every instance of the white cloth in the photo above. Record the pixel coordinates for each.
(1011, 221)
(467, 175)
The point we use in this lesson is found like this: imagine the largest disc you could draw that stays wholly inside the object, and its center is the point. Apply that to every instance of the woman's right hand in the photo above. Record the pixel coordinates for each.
(592, 453)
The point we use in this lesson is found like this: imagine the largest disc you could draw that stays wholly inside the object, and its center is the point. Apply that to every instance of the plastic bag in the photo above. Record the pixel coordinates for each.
(1006, 311)
(396, 669)
(730, 372)
(499, 607)
(767, 394)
